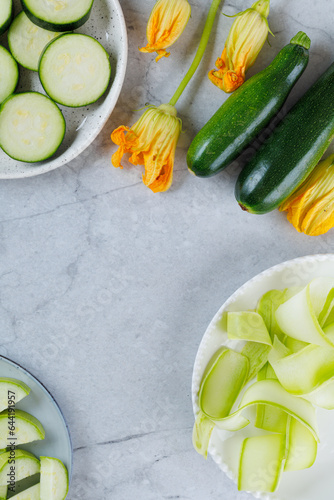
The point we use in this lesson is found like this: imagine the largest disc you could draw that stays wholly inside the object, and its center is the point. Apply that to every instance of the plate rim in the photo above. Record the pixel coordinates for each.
(119, 79)
(18, 365)
(195, 375)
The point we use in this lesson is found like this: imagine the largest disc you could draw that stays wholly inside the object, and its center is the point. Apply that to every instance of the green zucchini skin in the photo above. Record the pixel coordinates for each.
(61, 27)
(291, 152)
(4, 27)
(246, 112)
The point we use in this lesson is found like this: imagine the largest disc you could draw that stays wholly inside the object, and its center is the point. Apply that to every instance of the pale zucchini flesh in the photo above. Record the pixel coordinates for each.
(257, 355)
(305, 370)
(26, 464)
(222, 384)
(32, 493)
(202, 431)
(247, 325)
(3, 492)
(26, 428)
(32, 127)
(27, 41)
(298, 316)
(261, 463)
(9, 75)
(270, 418)
(11, 391)
(75, 70)
(54, 479)
(301, 447)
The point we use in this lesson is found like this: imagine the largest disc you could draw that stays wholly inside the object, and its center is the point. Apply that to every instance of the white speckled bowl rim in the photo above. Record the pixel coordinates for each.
(12, 169)
(294, 272)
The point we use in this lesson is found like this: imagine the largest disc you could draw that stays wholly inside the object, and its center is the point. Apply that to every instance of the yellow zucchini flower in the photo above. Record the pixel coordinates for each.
(244, 43)
(151, 141)
(166, 23)
(311, 207)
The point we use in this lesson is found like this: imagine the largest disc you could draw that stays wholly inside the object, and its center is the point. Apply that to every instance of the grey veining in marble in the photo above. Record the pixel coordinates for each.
(106, 289)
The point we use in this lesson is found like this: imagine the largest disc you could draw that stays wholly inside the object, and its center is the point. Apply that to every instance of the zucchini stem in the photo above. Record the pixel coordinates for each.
(200, 51)
(301, 39)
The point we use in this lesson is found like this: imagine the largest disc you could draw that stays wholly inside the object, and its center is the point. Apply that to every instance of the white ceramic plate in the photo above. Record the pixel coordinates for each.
(107, 25)
(310, 484)
(42, 405)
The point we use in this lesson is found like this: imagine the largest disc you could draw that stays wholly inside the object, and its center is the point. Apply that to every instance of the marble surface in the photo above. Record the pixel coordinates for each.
(106, 289)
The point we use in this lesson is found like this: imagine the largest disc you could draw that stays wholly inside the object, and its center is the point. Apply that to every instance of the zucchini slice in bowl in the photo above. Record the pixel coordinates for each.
(32, 127)
(9, 74)
(6, 14)
(75, 70)
(27, 41)
(58, 15)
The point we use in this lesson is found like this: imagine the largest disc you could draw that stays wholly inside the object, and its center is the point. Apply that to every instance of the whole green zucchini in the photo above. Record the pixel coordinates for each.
(291, 152)
(247, 111)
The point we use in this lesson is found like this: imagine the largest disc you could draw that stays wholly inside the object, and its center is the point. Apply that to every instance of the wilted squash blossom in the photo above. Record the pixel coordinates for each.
(311, 207)
(166, 23)
(244, 43)
(151, 141)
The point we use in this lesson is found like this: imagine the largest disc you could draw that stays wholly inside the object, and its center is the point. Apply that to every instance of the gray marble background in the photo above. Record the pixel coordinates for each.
(106, 289)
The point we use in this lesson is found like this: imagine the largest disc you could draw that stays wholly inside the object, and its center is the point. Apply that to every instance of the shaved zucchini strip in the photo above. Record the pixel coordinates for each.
(324, 396)
(298, 316)
(202, 431)
(223, 380)
(247, 325)
(305, 370)
(271, 392)
(267, 307)
(326, 317)
(268, 417)
(261, 463)
(301, 447)
(267, 372)
(278, 351)
(294, 345)
(257, 355)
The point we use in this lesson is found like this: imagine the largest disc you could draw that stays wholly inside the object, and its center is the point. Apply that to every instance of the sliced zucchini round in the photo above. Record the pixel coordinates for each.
(75, 70)
(32, 127)
(58, 15)
(6, 14)
(26, 464)
(27, 41)
(9, 75)
(54, 479)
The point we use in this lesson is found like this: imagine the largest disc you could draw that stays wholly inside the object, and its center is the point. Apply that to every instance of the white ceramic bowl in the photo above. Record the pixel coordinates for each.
(107, 25)
(310, 484)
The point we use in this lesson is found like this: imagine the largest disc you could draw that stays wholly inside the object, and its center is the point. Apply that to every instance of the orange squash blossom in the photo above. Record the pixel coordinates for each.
(167, 21)
(247, 35)
(151, 141)
(311, 207)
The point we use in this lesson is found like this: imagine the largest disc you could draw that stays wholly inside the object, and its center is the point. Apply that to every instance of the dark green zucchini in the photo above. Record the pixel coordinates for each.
(248, 110)
(58, 16)
(291, 152)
